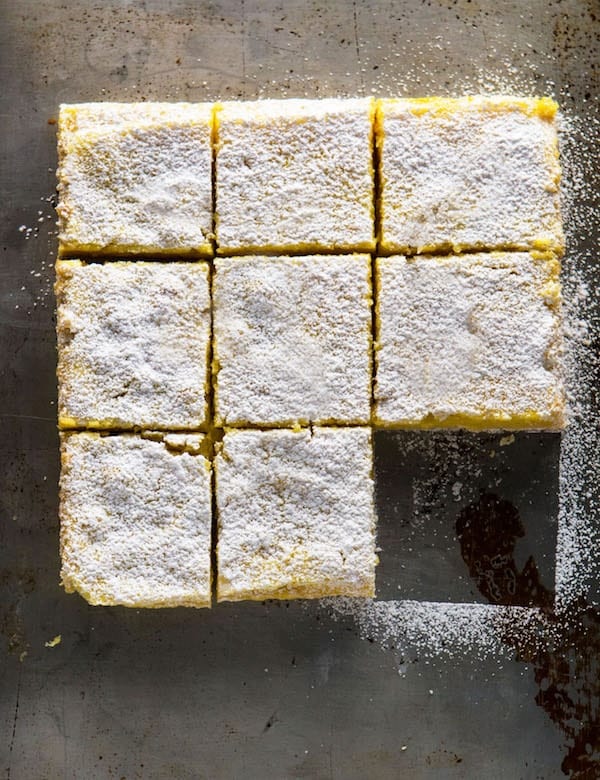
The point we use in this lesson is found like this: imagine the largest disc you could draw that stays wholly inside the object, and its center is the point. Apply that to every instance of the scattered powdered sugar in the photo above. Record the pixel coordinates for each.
(433, 629)
(577, 563)
(37, 293)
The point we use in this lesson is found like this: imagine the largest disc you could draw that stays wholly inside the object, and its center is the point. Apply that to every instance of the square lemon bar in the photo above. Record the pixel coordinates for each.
(292, 340)
(295, 514)
(472, 341)
(468, 173)
(133, 341)
(294, 176)
(135, 520)
(135, 178)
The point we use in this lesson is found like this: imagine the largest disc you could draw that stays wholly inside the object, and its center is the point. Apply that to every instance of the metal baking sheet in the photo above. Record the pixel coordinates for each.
(290, 690)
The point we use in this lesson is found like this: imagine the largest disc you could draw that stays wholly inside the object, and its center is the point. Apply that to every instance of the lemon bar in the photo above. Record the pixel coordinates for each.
(133, 342)
(295, 514)
(292, 340)
(470, 341)
(135, 178)
(468, 173)
(294, 176)
(135, 521)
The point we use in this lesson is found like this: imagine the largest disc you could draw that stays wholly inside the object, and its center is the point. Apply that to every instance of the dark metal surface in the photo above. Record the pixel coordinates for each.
(275, 690)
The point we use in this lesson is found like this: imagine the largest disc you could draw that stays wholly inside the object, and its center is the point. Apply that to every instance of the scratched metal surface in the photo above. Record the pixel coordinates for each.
(259, 690)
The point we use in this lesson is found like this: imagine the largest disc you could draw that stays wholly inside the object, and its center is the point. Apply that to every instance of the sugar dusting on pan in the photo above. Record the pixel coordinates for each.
(577, 562)
(437, 630)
